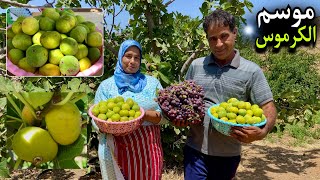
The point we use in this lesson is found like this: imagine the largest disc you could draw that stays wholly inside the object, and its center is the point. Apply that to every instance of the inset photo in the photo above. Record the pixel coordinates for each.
(55, 42)
(46, 130)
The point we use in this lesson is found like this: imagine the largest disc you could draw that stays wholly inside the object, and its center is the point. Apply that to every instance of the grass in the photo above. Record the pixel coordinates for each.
(270, 138)
(297, 131)
(316, 133)
(295, 135)
(175, 173)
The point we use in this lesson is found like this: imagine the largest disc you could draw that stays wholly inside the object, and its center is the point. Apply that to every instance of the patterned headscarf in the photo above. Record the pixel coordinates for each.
(126, 81)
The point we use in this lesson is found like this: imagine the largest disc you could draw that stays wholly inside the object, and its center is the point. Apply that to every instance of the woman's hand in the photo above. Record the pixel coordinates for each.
(152, 116)
(181, 124)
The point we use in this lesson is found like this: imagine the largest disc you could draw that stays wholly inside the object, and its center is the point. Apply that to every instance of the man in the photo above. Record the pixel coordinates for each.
(224, 74)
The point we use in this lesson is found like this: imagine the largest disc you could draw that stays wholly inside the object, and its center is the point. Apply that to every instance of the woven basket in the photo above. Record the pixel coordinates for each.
(225, 127)
(117, 128)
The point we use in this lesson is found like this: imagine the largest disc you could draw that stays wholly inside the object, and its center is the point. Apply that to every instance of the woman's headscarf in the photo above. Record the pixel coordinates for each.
(126, 81)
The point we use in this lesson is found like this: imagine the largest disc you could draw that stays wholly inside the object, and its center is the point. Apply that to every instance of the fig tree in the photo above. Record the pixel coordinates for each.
(36, 99)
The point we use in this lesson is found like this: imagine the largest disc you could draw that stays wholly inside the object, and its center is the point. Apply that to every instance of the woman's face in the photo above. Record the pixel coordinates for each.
(131, 60)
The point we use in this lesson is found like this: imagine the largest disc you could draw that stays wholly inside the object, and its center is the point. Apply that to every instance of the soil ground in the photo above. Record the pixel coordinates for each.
(272, 158)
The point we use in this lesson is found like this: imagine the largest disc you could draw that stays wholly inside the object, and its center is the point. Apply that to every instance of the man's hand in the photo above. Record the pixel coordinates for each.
(252, 133)
(248, 134)
(180, 124)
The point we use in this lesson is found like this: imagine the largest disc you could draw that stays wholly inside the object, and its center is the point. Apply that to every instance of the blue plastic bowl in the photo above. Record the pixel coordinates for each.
(224, 127)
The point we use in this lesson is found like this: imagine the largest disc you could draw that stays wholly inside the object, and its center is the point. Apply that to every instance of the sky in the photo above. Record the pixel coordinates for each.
(191, 8)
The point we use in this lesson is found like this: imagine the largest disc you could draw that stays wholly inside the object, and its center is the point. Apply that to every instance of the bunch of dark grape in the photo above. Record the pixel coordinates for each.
(183, 102)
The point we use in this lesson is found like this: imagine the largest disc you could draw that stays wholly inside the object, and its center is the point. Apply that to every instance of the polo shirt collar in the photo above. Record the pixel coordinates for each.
(234, 63)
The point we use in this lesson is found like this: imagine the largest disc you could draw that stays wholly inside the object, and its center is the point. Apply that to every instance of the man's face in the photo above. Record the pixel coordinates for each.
(221, 41)
(131, 60)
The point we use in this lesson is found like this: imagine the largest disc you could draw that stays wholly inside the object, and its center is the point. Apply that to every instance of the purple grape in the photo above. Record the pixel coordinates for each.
(183, 101)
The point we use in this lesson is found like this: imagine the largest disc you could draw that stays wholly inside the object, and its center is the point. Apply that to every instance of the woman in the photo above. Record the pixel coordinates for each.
(139, 154)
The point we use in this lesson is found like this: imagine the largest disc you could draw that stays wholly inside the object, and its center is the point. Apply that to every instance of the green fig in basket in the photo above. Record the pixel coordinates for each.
(119, 104)
(23, 64)
(22, 41)
(240, 119)
(126, 106)
(118, 109)
(37, 56)
(231, 115)
(111, 105)
(234, 121)
(95, 111)
(239, 112)
(15, 55)
(242, 112)
(103, 108)
(124, 113)
(256, 119)
(249, 112)
(224, 118)
(132, 113)
(248, 105)
(242, 105)
(135, 107)
(124, 119)
(118, 99)
(115, 117)
(254, 106)
(109, 114)
(102, 116)
(137, 114)
(82, 51)
(224, 105)
(93, 54)
(30, 25)
(257, 112)
(249, 119)
(232, 100)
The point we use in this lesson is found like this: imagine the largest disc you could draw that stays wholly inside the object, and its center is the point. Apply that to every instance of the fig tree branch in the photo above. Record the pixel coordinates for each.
(2, 56)
(65, 100)
(168, 3)
(14, 104)
(110, 48)
(16, 165)
(14, 118)
(14, 3)
(2, 50)
(178, 46)
(190, 59)
(150, 24)
(119, 11)
(50, 4)
(1, 69)
(113, 18)
(78, 97)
